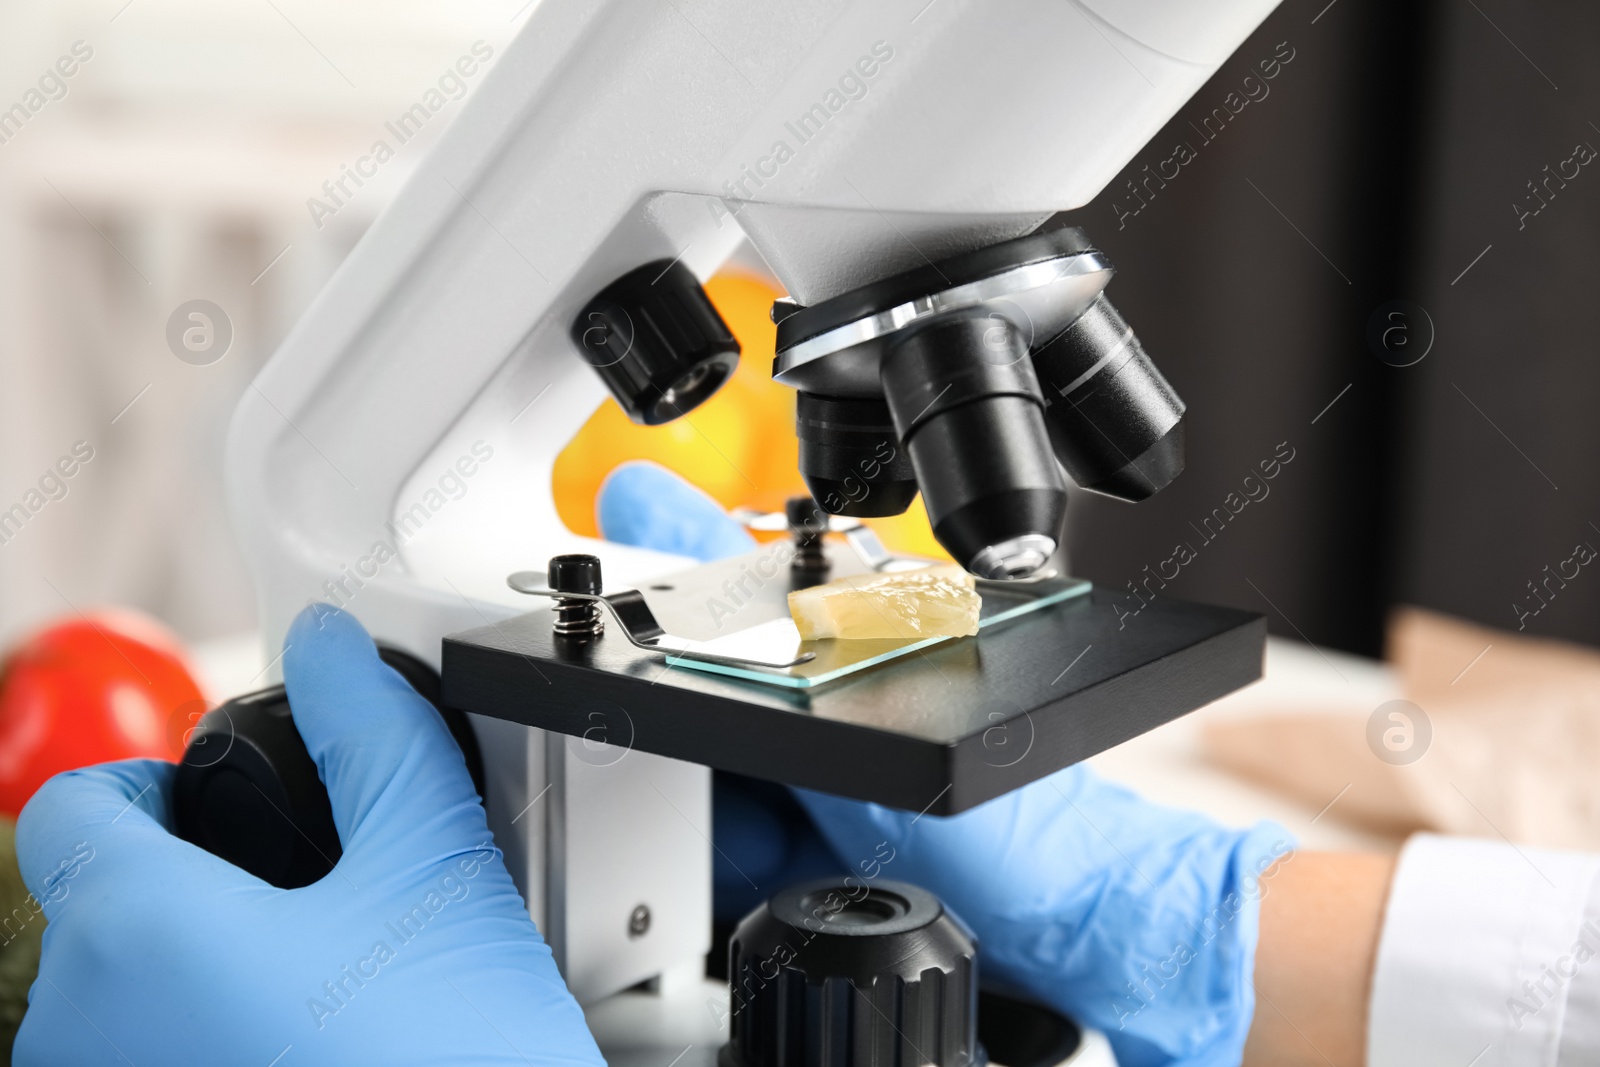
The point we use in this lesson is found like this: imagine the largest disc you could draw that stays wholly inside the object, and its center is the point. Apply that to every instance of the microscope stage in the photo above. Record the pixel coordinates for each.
(941, 729)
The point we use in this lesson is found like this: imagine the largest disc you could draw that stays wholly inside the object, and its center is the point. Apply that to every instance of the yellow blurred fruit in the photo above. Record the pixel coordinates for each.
(739, 446)
(910, 533)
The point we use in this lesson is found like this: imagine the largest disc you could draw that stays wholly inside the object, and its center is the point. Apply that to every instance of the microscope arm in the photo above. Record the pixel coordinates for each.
(612, 134)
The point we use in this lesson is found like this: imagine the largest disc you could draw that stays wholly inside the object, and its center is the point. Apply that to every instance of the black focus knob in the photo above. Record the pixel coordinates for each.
(852, 974)
(656, 341)
(247, 789)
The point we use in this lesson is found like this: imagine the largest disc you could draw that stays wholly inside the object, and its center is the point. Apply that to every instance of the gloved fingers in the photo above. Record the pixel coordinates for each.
(390, 766)
(107, 821)
(648, 506)
(839, 816)
(1076, 789)
(969, 846)
(54, 1032)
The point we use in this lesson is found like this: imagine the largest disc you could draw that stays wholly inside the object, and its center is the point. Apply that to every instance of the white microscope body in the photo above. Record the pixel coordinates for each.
(846, 142)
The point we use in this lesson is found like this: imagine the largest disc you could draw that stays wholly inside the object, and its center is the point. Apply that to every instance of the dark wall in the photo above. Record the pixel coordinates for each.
(1371, 168)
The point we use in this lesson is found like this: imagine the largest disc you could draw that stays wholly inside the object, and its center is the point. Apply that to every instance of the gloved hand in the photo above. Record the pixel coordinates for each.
(649, 506)
(1135, 919)
(416, 949)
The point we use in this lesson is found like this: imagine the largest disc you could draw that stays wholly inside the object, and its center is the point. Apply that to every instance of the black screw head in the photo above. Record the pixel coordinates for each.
(575, 573)
(805, 516)
(639, 921)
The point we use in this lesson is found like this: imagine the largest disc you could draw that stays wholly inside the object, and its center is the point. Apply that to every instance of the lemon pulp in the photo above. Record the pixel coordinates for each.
(939, 601)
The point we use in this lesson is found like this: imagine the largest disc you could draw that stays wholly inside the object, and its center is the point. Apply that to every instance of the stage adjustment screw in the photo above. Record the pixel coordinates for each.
(576, 574)
(807, 522)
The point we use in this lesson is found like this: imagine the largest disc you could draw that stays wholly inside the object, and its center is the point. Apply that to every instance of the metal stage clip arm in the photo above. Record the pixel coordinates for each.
(638, 624)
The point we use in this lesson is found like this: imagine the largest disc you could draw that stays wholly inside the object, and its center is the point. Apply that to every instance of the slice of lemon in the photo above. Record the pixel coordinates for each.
(938, 601)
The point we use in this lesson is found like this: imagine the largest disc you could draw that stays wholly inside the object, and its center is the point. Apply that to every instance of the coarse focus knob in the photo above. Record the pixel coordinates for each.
(852, 974)
(248, 791)
(656, 341)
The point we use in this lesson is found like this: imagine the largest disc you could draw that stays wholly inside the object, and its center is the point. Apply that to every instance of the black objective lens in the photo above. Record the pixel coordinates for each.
(851, 458)
(966, 402)
(1116, 425)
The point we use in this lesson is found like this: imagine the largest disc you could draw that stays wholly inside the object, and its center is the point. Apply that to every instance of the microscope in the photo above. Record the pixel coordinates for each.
(899, 166)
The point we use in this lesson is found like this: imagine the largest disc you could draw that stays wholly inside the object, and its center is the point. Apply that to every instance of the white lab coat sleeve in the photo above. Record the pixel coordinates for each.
(1490, 956)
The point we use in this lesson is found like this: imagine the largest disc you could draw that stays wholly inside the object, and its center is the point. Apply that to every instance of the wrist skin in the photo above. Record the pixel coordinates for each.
(1321, 919)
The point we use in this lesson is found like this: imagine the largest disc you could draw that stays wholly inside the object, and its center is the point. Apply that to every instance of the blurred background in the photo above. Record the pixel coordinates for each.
(176, 164)
(1366, 250)
(1410, 152)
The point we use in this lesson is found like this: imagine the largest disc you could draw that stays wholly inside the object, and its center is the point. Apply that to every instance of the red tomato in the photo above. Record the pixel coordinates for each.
(112, 686)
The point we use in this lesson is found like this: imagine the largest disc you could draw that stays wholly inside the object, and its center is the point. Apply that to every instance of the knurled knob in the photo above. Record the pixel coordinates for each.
(852, 974)
(656, 341)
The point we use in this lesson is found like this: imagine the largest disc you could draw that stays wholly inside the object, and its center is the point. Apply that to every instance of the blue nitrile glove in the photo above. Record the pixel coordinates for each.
(649, 506)
(765, 841)
(416, 949)
(1136, 919)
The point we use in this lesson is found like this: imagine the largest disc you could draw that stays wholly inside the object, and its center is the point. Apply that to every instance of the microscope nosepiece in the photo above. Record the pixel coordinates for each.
(1116, 425)
(987, 415)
